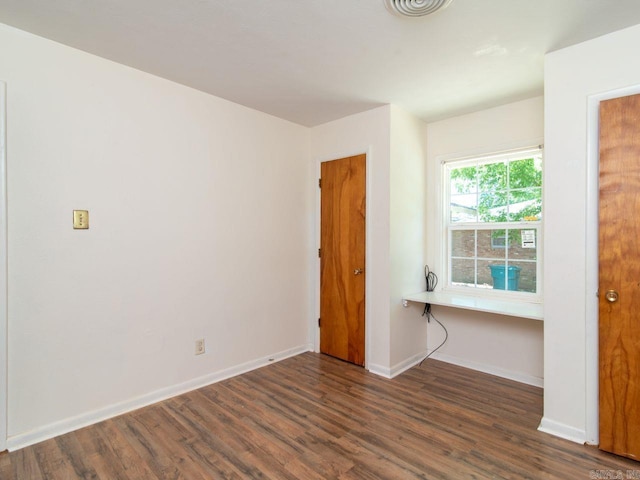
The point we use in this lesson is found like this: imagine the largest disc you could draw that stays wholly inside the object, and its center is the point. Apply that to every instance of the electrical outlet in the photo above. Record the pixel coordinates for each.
(200, 346)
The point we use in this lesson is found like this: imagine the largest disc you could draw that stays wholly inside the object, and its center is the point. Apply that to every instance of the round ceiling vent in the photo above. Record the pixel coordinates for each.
(415, 8)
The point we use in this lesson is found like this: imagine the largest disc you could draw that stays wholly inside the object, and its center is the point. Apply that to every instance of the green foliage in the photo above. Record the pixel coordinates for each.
(508, 191)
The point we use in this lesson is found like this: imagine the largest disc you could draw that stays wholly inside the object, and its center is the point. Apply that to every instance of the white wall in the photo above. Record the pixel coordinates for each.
(3, 271)
(199, 215)
(574, 77)
(507, 346)
(408, 207)
(366, 132)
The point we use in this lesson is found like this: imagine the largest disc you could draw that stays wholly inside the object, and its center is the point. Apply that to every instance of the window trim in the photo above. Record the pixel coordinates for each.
(517, 152)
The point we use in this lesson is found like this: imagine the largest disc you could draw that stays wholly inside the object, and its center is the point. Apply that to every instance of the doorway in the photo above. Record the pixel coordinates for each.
(619, 276)
(342, 258)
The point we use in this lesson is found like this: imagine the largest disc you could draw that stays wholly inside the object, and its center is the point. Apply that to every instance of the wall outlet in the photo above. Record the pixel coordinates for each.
(200, 346)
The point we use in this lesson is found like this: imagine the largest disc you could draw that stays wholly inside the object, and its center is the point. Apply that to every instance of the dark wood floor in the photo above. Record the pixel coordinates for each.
(314, 417)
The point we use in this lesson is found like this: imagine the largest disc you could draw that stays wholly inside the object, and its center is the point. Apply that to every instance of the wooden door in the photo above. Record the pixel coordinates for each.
(342, 258)
(619, 276)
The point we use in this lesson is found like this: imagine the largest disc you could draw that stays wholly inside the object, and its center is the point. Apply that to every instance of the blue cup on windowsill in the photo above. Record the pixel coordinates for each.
(505, 278)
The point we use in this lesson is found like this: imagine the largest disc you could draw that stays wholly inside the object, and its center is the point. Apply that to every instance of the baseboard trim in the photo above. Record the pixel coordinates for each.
(379, 370)
(398, 368)
(74, 423)
(561, 430)
(405, 365)
(490, 369)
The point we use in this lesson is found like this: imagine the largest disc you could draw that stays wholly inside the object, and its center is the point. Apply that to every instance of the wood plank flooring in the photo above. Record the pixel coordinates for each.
(315, 417)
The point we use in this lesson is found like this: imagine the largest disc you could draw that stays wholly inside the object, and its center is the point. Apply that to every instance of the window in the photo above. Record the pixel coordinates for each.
(493, 223)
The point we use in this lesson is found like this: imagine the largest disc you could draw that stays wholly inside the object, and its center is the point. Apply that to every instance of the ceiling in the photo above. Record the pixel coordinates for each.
(313, 61)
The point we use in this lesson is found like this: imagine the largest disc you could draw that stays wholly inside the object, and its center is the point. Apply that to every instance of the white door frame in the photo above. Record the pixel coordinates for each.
(4, 345)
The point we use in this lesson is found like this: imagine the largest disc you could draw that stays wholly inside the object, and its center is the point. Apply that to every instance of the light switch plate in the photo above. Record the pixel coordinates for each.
(81, 219)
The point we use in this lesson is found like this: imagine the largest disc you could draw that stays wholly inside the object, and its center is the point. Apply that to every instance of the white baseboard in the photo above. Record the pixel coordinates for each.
(74, 423)
(490, 369)
(405, 365)
(379, 370)
(563, 431)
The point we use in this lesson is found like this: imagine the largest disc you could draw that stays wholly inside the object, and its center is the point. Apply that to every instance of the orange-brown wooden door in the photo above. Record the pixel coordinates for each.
(342, 260)
(619, 276)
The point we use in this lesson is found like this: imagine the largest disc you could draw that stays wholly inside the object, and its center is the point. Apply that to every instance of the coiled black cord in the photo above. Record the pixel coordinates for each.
(431, 280)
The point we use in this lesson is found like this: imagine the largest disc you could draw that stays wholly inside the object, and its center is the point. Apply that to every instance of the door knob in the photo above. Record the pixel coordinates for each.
(357, 271)
(611, 296)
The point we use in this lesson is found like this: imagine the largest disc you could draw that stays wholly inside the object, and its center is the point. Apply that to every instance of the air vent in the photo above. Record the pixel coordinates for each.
(415, 8)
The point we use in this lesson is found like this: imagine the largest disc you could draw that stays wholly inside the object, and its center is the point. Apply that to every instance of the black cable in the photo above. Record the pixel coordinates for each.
(431, 280)
(446, 336)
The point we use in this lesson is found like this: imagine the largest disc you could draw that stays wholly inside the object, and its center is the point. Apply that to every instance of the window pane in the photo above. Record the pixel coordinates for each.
(527, 280)
(492, 206)
(492, 177)
(484, 273)
(499, 259)
(523, 244)
(505, 276)
(463, 208)
(525, 173)
(525, 204)
(463, 180)
(463, 272)
(463, 243)
(492, 244)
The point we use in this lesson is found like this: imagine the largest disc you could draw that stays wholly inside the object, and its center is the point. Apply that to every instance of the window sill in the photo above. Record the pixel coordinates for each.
(532, 311)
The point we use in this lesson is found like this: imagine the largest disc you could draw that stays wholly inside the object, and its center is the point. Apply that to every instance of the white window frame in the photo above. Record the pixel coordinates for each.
(449, 227)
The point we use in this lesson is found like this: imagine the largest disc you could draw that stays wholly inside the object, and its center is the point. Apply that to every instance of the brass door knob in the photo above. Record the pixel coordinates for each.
(611, 296)
(357, 271)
